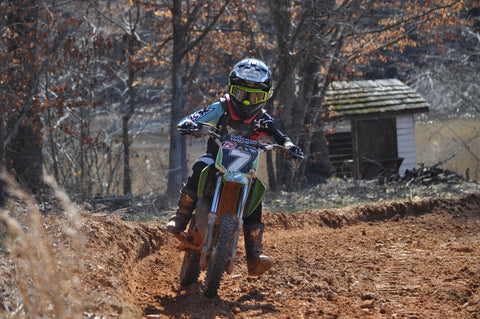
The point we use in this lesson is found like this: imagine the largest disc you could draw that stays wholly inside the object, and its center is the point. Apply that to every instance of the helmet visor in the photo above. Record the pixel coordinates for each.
(248, 96)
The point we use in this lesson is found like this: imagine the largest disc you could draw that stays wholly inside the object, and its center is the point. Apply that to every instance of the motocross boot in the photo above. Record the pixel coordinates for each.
(257, 263)
(186, 206)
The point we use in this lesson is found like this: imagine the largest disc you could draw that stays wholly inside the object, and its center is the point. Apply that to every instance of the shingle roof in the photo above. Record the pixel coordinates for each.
(373, 98)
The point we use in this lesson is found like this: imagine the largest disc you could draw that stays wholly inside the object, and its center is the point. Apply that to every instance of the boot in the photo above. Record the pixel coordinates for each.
(186, 206)
(257, 263)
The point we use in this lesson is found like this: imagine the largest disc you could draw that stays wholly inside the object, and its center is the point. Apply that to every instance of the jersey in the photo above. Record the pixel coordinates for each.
(219, 115)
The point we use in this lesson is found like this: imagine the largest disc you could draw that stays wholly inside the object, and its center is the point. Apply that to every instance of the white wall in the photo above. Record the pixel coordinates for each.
(438, 141)
(406, 142)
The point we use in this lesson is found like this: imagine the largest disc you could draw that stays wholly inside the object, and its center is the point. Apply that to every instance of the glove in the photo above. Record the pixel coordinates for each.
(295, 149)
(187, 126)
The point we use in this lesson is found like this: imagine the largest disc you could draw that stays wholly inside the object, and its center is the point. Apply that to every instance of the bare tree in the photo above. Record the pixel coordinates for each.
(184, 20)
(340, 37)
(449, 76)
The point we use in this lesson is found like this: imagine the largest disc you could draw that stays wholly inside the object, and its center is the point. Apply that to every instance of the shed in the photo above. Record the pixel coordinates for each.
(374, 126)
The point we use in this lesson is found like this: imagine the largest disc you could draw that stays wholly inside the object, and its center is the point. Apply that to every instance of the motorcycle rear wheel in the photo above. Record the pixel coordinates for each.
(219, 260)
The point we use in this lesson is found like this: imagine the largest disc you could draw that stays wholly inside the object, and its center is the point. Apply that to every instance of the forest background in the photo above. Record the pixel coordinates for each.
(89, 88)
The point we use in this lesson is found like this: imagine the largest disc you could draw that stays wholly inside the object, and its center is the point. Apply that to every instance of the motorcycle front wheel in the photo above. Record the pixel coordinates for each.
(218, 262)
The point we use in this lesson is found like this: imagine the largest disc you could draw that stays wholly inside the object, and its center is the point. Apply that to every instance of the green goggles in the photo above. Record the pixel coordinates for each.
(248, 96)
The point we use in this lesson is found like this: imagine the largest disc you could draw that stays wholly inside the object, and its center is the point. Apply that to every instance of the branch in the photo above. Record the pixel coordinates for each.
(411, 19)
(207, 29)
(12, 131)
(383, 46)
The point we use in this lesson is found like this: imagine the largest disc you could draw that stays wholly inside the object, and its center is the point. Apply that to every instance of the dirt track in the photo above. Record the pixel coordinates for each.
(391, 260)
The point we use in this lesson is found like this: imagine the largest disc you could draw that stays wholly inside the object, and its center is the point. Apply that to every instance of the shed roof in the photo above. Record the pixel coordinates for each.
(373, 98)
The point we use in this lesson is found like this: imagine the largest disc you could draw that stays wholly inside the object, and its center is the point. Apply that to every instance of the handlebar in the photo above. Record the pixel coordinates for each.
(204, 129)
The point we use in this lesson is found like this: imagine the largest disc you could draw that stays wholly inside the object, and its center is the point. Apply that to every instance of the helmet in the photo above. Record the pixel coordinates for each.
(250, 86)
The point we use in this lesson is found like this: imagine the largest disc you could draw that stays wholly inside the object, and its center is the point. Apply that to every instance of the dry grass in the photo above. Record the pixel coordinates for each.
(38, 276)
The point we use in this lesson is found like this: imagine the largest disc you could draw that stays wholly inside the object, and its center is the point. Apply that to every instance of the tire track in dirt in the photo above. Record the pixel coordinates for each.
(391, 282)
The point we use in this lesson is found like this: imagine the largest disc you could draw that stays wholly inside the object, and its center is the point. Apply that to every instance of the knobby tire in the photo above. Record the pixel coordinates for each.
(219, 260)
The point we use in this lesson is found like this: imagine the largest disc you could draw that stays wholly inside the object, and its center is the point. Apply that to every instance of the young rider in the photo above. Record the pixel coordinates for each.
(239, 113)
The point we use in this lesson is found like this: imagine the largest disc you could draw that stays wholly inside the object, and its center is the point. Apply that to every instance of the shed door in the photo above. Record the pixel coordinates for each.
(374, 140)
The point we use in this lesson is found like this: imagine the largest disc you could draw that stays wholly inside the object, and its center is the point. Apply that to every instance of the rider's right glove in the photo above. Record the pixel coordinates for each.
(187, 126)
(295, 149)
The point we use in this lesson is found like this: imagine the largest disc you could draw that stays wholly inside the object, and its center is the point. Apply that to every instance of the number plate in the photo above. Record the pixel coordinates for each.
(236, 157)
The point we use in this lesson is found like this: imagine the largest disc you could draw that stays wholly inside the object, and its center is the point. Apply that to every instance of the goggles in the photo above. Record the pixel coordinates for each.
(248, 96)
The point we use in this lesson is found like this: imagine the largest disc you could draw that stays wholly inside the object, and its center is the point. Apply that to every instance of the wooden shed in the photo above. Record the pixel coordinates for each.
(374, 127)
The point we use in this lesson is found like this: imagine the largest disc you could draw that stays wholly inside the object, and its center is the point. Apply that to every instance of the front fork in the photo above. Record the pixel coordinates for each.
(207, 249)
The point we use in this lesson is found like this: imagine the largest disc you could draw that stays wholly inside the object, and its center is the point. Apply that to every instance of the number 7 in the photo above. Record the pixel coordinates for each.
(242, 159)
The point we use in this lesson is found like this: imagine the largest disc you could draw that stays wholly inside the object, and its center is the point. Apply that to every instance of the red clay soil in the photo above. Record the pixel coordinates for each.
(416, 259)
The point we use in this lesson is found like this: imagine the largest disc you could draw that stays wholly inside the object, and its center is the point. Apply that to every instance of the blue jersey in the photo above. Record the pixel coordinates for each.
(211, 114)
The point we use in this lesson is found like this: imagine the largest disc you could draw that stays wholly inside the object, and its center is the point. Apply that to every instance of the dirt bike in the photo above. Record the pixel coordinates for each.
(228, 191)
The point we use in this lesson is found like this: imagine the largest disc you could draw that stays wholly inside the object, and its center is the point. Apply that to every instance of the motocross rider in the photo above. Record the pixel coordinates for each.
(239, 113)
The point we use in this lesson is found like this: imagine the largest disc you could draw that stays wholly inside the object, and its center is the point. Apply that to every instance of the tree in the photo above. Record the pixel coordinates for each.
(296, 27)
(187, 34)
(448, 75)
(70, 95)
(21, 69)
(36, 86)
(343, 36)
(282, 15)
(64, 63)
(111, 45)
(131, 64)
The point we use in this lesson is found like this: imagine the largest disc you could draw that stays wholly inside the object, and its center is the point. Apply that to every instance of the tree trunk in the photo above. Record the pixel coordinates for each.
(24, 152)
(181, 46)
(177, 157)
(285, 87)
(127, 176)
(127, 181)
(316, 105)
(24, 156)
(2, 155)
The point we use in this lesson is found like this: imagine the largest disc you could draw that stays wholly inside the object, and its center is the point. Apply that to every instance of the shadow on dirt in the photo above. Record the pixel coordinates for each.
(190, 302)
